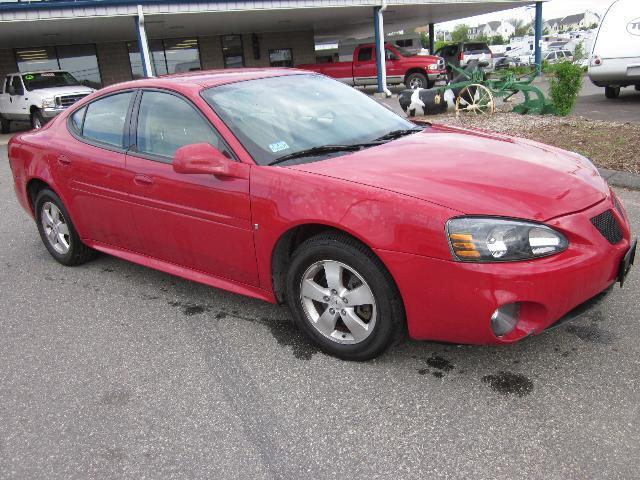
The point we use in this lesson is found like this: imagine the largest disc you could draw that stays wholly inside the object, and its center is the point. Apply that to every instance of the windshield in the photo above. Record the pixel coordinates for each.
(278, 116)
(36, 81)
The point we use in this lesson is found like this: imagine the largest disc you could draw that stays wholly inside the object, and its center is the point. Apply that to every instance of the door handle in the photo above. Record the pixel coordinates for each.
(64, 161)
(143, 180)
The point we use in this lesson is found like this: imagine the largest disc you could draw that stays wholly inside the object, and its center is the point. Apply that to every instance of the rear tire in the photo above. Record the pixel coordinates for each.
(5, 125)
(37, 120)
(328, 269)
(58, 232)
(612, 92)
(417, 80)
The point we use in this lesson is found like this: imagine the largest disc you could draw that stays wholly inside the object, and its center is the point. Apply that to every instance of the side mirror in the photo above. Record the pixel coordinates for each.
(204, 158)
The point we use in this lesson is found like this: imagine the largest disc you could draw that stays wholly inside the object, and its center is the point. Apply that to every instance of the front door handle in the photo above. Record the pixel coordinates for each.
(64, 161)
(143, 180)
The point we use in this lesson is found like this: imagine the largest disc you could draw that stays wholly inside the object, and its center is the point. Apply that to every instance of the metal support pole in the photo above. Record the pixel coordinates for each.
(432, 38)
(379, 36)
(539, 37)
(143, 44)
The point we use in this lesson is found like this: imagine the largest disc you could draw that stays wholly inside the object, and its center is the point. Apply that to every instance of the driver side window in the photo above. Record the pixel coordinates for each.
(18, 89)
(166, 122)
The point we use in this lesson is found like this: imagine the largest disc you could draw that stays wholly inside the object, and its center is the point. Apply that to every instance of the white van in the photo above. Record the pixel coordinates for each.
(615, 59)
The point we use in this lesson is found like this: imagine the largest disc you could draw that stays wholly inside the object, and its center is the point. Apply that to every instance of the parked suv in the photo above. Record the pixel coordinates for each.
(38, 96)
(459, 54)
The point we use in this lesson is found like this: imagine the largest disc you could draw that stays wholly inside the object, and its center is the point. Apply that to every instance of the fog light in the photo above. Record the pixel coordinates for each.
(505, 319)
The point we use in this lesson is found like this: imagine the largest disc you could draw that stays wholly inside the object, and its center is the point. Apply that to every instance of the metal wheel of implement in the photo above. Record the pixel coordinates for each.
(476, 99)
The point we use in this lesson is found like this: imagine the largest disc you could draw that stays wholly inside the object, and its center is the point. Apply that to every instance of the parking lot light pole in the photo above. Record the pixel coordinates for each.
(538, 37)
(143, 44)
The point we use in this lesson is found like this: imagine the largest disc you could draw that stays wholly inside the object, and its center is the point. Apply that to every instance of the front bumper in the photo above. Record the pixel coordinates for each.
(49, 113)
(438, 78)
(453, 301)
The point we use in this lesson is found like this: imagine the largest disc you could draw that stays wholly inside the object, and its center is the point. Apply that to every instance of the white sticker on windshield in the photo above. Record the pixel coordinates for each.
(278, 146)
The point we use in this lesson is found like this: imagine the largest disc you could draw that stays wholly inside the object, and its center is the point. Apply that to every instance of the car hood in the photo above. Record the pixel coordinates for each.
(54, 91)
(474, 172)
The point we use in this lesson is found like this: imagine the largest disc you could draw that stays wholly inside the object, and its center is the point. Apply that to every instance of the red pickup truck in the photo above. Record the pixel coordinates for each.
(415, 71)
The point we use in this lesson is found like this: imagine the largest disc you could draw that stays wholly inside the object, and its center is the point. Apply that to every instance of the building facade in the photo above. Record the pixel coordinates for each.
(99, 41)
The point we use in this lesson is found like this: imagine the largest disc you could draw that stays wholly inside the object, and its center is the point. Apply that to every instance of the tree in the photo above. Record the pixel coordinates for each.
(579, 53)
(496, 40)
(460, 33)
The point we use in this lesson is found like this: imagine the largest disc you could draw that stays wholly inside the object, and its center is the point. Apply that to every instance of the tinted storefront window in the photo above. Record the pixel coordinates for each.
(167, 56)
(281, 57)
(79, 60)
(232, 51)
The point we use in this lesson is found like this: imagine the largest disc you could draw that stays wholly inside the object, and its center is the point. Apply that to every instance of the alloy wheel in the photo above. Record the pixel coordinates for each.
(338, 302)
(55, 228)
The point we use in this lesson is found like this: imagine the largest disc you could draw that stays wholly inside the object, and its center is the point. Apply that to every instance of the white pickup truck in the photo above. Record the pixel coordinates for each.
(37, 96)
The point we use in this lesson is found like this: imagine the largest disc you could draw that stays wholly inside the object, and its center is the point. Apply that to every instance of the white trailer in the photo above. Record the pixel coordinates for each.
(615, 59)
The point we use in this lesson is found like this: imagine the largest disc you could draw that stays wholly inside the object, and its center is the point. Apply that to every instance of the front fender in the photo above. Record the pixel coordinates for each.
(284, 198)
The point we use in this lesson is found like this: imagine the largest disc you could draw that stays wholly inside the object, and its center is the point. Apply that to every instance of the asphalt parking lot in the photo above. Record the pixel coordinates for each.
(111, 370)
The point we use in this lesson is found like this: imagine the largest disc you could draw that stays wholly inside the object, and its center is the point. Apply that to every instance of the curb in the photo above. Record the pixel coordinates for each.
(620, 179)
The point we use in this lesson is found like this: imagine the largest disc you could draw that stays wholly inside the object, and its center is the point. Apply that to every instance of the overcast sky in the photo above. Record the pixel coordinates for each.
(552, 9)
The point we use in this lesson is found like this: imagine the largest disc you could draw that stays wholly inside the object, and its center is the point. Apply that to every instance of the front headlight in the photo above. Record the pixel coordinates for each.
(433, 66)
(49, 103)
(476, 239)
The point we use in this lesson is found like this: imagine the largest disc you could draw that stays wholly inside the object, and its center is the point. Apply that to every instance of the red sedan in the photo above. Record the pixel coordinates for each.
(289, 186)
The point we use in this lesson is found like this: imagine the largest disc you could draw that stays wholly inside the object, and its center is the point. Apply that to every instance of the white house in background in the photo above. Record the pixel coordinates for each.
(573, 22)
(491, 29)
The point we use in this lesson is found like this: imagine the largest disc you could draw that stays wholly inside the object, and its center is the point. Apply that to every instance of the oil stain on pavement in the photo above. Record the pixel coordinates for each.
(441, 365)
(591, 333)
(508, 383)
(284, 331)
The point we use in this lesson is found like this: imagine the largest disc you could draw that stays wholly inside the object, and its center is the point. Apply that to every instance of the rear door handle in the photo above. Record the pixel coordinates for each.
(64, 161)
(143, 180)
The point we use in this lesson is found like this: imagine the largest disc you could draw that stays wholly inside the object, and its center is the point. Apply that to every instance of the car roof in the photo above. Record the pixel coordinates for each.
(211, 78)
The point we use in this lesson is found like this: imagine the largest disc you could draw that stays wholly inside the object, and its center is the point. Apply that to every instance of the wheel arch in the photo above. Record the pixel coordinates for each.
(291, 239)
(33, 187)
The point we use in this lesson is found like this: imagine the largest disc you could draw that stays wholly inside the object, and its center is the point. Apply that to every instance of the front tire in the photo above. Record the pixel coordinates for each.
(57, 231)
(417, 80)
(37, 120)
(342, 297)
(612, 92)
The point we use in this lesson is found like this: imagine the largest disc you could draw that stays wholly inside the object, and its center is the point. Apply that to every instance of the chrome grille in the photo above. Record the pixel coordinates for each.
(608, 226)
(65, 101)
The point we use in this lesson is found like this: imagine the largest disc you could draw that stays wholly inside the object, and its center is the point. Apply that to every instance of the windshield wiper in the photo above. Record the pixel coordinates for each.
(323, 149)
(397, 134)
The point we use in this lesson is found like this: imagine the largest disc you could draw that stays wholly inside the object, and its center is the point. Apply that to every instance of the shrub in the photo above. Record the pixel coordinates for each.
(565, 86)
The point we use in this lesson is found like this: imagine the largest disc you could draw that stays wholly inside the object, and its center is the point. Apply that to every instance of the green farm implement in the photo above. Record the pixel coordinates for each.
(475, 92)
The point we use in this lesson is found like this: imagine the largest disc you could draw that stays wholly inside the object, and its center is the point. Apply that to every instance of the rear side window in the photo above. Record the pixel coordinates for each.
(476, 48)
(77, 119)
(105, 118)
(7, 82)
(365, 54)
(167, 122)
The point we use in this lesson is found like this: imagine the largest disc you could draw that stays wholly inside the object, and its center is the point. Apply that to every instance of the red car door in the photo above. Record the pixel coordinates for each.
(364, 66)
(92, 167)
(394, 67)
(193, 220)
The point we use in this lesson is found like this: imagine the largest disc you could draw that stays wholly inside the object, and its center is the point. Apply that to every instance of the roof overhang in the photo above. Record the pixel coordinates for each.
(103, 21)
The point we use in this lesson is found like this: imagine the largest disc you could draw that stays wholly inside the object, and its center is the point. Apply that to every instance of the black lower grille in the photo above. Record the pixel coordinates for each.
(608, 226)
